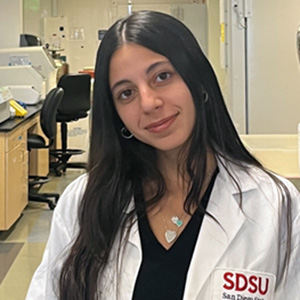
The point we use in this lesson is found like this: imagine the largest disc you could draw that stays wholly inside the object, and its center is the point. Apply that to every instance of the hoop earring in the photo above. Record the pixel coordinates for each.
(205, 97)
(126, 134)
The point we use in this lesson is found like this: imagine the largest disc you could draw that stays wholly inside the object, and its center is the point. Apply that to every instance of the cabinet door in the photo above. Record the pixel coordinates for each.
(17, 182)
(2, 180)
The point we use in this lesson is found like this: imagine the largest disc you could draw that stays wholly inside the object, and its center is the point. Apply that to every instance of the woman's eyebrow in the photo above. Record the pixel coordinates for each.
(118, 83)
(156, 64)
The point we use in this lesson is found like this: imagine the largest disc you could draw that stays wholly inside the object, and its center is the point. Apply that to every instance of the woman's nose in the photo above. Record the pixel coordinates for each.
(149, 99)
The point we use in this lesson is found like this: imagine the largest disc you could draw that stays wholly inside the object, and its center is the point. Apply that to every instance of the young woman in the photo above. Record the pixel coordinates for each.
(173, 206)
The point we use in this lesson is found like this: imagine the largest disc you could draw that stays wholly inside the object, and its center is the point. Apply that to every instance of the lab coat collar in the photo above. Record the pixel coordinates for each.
(240, 176)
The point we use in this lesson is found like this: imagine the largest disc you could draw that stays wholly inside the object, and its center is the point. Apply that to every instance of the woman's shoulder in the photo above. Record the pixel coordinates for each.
(250, 177)
(264, 178)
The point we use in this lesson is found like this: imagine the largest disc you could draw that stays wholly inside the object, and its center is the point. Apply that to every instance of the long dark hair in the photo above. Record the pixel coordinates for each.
(117, 167)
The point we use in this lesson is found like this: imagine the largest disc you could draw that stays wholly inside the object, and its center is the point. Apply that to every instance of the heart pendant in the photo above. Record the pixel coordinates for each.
(179, 223)
(175, 219)
(170, 235)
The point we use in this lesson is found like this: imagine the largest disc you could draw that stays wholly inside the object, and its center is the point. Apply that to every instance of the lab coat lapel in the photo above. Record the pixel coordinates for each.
(215, 235)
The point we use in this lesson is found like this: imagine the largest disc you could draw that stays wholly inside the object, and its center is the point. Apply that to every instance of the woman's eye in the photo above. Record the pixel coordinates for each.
(163, 76)
(125, 94)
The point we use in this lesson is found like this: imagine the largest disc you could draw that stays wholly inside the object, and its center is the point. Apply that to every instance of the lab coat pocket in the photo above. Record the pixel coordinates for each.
(239, 284)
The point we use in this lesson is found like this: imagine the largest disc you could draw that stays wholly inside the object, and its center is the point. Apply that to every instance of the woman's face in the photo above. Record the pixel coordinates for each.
(151, 98)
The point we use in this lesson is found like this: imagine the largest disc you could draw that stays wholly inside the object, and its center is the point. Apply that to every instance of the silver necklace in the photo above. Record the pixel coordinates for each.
(171, 235)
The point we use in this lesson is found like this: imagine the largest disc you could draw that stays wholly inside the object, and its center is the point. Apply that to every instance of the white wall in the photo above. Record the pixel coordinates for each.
(89, 16)
(33, 14)
(213, 51)
(11, 23)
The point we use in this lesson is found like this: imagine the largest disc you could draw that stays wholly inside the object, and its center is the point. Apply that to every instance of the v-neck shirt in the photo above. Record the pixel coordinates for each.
(163, 272)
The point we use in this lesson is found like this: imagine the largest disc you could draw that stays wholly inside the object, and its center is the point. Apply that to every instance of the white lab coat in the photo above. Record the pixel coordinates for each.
(236, 257)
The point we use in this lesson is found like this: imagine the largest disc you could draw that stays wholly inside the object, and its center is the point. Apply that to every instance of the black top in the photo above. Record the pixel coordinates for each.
(163, 272)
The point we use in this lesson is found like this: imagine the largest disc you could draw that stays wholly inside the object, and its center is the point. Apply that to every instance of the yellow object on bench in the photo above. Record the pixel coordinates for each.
(20, 111)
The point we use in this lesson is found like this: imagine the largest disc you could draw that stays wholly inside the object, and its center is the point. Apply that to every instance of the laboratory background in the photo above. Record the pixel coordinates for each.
(253, 46)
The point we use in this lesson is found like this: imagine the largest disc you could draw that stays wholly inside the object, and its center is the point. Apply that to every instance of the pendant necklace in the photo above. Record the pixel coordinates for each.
(171, 235)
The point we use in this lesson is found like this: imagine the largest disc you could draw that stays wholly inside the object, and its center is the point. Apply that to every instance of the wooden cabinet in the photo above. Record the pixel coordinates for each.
(14, 165)
(14, 176)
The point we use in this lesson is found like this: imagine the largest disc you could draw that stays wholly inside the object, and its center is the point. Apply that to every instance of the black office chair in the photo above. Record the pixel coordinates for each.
(75, 105)
(35, 141)
(28, 40)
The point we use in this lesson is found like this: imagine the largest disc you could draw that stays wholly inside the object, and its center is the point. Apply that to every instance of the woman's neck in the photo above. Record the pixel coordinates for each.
(175, 175)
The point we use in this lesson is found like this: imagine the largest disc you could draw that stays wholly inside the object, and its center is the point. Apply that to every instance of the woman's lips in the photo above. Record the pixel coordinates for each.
(161, 125)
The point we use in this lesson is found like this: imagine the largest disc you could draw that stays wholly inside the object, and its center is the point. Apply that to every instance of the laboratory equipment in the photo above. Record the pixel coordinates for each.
(5, 97)
(33, 60)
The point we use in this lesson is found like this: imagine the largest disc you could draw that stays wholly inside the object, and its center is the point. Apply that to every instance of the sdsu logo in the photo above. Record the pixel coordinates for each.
(242, 285)
(239, 282)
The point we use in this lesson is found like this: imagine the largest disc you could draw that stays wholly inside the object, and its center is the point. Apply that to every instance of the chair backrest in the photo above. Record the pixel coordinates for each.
(48, 112)
(77, 91)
